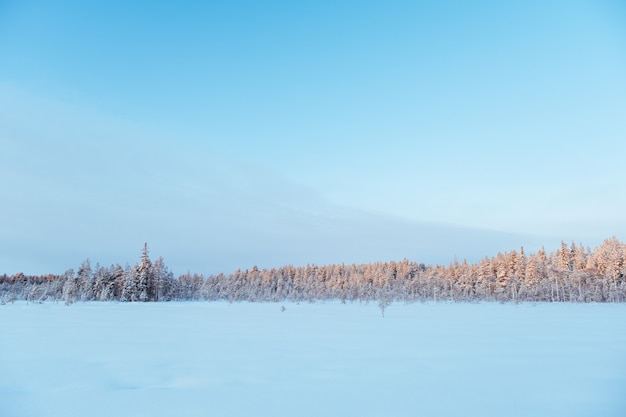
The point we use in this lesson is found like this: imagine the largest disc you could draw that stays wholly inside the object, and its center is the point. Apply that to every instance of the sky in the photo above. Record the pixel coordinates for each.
(233, 134)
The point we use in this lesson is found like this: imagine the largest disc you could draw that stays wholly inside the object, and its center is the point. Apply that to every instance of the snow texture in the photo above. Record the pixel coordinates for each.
(323, 359)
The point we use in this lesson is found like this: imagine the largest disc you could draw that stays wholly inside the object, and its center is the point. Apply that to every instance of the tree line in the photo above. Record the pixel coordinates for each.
(571, 273)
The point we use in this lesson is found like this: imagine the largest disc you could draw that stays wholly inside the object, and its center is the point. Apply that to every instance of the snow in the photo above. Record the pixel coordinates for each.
(322, 359)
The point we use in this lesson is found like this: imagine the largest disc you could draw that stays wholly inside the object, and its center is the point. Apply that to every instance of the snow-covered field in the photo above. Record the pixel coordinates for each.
(323, 359)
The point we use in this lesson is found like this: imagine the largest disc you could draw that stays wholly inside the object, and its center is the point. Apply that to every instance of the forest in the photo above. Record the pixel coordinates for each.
(572, 273)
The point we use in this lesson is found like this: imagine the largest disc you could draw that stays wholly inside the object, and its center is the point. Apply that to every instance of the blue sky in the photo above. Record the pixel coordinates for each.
(229, 134)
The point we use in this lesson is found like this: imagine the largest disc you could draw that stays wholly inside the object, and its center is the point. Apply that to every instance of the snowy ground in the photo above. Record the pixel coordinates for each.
(219, 359)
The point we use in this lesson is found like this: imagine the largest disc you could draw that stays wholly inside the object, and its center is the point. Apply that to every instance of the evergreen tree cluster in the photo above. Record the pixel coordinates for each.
(572, 273)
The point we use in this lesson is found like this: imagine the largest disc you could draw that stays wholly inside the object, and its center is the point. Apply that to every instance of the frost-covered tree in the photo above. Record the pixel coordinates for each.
(70, 287)
(84, 281)
(163, 281)
(145, 277)
(129, 285)
(103, 284)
